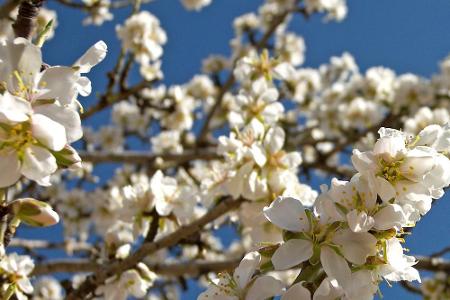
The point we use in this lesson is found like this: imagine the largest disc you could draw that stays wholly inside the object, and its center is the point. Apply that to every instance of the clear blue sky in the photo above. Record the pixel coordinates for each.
(405, 35)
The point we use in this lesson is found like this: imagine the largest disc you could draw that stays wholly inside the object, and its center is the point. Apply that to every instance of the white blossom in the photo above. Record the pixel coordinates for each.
(242, 285)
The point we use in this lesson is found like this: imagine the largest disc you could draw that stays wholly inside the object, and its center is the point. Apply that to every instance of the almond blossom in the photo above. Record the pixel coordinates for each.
(181, 180)
(38, 110)
(242, 285)
(15, 270)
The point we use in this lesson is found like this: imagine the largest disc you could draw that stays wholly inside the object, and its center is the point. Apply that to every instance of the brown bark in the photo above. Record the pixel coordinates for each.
(26, 18)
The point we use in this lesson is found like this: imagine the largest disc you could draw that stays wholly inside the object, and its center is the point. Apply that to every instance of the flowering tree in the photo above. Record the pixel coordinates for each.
(227, 148)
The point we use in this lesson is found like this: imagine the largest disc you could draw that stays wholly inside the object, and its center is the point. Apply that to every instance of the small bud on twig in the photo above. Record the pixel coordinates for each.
(34, 212)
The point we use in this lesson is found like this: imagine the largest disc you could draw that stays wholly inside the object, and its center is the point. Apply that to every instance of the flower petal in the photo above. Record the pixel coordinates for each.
(328, 289)
(291, 253)
(287, 213)
(48, 132)
(359, 221)
(13, 109)
(335, 266)
(92, 57)
(264, 287)
(60, 84)
(384, 189)
(38, 165)
(65, 116)
(274, 139)
(388, 217)
(297, 292)
(356, 247)
(9, 161)
(246, 269)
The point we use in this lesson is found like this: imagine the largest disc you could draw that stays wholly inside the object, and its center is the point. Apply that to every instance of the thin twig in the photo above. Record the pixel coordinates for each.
(146, 249)
(43, 244)
(432, 264)
(144, 158)
(410, 287)
(441, 252)
(188, 268)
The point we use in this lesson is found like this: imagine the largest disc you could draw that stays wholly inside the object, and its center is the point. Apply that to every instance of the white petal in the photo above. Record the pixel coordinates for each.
(38, 165)
(363, 161)
(274, 139)
(356, 247)
(394, 254)
(213, 292)
(291, 253)
(255, 187)
(84, 86)
(163, 207)
(417, 163)
(439, 176)
(247, 268)
(264, 287)
(359, 221)
(297, 292)
(335, 266)
(389, 147)
(408, 274)
(60, 84)
(25, 285)
(235, 185)
(284, 71)
(256, 127)
(48, 132)
(428, 135)
(65, 116)
(287, 213)
(328, 289)
(10, 162)
(384, 188)
(259, 155)
(292, 160)
(92, 57)
(388, 217)
(24, 57)
(13, 109)
(363, 286)
(272, 113)
(269, 95)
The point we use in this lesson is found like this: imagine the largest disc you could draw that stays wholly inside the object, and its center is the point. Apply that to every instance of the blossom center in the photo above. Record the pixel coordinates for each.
(390, 170)
(18, 137)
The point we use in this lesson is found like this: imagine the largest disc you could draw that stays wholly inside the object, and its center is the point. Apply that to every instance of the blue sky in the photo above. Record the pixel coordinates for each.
(405, 35)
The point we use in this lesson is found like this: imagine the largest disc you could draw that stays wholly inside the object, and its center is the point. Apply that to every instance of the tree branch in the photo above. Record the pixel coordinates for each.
(410, 287)
(118, 267)
(441, 252)
(108, 100)
(141, 157)
(69, 246)
(432, 264)
(26, 18)
(188, 268)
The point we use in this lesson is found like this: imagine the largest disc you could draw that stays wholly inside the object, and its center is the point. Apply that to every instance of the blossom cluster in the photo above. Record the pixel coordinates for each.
(437, 287)
(39, 116)
(251, 130)
(143, 36)
(351, 239)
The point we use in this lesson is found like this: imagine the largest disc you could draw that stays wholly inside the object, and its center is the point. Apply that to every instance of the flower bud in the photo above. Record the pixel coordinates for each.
(68, 158)
(34, 212)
